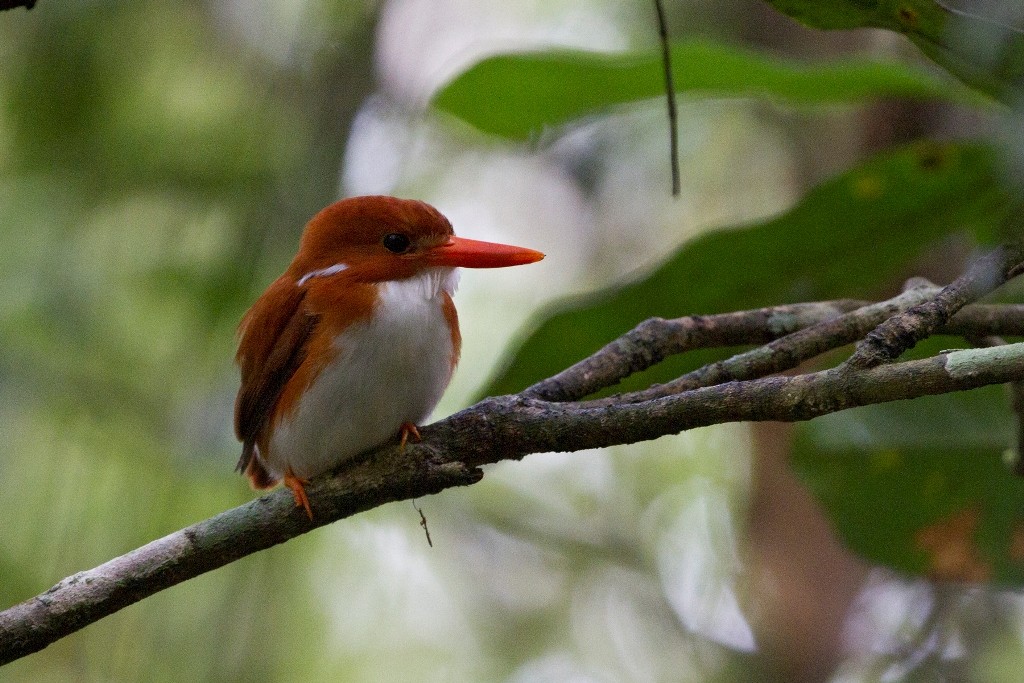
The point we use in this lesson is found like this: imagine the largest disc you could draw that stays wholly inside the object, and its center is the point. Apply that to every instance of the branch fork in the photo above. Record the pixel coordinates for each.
(555, 415)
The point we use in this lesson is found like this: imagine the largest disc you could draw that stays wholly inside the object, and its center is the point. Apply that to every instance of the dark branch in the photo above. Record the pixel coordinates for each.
(792, 333)
(903, 332)
(655, 339)
(788, 352)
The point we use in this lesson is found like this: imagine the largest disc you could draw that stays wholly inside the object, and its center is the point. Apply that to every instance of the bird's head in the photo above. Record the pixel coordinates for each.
(376, 238)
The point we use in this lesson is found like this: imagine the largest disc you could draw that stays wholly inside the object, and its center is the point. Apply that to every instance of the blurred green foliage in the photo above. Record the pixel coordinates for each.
(142, 153)
(519, 95)
(983, 51)
(852, 236)
(157, 166)
(949, 479)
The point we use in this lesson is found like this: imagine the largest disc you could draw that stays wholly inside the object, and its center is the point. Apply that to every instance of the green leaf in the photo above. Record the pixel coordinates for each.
(518, 95)
(986, 54)
(945, 513)
(934, 468)
(850, 236)
(832, 14)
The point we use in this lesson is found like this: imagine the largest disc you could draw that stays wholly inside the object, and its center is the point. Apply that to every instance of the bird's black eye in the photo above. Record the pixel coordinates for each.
(396, 242)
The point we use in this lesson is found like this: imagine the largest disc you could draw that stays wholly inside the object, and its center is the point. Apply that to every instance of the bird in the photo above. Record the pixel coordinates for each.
(354, 344)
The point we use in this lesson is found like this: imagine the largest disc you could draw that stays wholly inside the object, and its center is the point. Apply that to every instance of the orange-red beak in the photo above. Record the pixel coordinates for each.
(460, 252)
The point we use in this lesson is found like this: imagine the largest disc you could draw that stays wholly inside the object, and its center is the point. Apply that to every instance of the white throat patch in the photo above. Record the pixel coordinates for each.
(426, 285)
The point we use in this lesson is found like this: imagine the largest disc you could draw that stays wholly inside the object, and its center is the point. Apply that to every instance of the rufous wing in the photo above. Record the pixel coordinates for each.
(273, 342)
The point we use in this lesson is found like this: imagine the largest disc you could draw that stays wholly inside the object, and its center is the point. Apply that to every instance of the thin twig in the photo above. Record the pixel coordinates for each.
(788, 352)
(655, 339)
(902, 332)
(423, 523)
(979, 320)
(670, 96)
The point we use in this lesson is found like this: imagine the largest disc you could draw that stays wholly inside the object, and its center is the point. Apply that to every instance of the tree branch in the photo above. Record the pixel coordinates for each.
(655, 339)
(88, 596)
(900, 333)
(789, 351)
(792, 334)
(510, 427)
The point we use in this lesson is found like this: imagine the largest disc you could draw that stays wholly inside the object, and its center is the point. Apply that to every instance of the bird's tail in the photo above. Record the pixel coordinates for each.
(250, 464)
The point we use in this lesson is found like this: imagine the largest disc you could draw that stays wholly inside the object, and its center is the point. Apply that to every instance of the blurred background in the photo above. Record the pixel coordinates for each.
(158, 163)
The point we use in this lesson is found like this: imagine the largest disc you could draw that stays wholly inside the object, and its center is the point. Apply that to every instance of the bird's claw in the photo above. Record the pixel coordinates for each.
(405, 431)
(297, 484)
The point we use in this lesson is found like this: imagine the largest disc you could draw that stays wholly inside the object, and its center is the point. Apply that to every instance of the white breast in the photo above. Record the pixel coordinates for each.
(389, 370)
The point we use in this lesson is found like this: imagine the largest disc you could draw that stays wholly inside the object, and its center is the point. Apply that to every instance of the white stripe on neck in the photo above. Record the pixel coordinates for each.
(323, 272)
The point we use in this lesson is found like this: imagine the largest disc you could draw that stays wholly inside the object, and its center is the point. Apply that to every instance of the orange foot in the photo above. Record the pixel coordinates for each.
(296, 484)
(405, 431)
